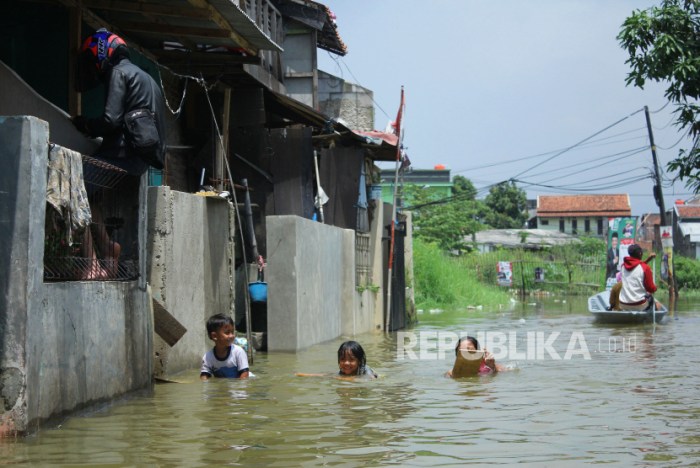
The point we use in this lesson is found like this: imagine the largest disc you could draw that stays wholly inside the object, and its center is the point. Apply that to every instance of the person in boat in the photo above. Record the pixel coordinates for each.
(488, 364)
(637, 281)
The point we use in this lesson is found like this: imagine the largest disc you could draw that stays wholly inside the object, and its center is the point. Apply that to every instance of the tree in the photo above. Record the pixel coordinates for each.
(508, 206)
(463, 187)
(447, 221)
(663, 44)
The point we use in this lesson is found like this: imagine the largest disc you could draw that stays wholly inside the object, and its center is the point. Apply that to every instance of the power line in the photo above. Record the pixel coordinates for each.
(579, 143)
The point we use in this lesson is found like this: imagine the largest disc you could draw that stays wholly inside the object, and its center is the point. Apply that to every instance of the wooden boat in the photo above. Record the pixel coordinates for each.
(598, 306)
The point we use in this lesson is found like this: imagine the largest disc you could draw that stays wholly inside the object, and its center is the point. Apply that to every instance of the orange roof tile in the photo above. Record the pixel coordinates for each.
(616, 205)
(688, 211)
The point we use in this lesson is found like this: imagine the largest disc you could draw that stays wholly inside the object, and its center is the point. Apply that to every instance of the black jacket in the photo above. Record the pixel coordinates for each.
(128, 87)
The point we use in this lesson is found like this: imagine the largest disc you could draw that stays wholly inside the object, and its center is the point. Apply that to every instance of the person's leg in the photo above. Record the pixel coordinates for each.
(96, 239)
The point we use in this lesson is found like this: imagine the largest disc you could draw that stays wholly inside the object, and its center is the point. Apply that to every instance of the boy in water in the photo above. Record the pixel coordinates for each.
(225, 359)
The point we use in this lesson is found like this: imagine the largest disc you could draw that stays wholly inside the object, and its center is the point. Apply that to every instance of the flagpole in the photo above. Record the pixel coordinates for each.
(392, 230)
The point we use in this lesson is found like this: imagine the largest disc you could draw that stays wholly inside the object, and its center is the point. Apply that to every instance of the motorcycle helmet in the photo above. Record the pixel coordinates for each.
(101, 46)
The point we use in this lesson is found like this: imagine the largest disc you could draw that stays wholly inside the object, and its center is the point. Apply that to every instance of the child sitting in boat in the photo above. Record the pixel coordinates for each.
(637, 281)
(353, 362)
(226, 359)
(465, 365)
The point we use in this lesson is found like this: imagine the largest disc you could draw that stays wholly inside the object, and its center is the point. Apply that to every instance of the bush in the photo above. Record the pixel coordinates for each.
(686, 272)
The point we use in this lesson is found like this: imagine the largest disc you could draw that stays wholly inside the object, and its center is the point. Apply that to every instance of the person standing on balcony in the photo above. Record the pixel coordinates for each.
(132, 128)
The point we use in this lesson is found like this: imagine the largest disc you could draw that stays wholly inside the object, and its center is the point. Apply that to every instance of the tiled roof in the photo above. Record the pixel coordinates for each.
(550, 206)
(688, 211)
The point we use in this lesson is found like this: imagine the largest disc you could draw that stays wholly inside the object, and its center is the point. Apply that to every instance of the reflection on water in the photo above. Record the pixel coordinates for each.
(633, 402)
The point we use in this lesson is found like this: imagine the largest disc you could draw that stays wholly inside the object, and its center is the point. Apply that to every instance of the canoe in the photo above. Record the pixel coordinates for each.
(598, 305)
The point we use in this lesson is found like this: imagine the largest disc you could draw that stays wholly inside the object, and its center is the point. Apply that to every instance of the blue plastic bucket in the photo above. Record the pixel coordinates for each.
(258, 291)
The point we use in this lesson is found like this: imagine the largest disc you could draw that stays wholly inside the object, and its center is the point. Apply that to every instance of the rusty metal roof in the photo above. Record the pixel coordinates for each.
(319, 17)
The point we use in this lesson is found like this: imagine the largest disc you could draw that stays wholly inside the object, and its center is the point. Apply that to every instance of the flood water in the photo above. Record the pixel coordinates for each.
(635, 402)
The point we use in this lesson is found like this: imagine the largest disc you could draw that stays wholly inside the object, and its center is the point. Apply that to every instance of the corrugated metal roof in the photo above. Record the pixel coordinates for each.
(533, 238)
(690, 229)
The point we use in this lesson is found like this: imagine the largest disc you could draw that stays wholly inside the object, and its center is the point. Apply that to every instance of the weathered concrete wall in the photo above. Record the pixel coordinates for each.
(190, 263)
(63, 346)
(311, 287)
(344, 100)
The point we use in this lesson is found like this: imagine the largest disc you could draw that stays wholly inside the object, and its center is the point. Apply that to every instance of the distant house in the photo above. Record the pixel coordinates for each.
(529, 239)
(686, 230)
(646, 230)
(579, 214)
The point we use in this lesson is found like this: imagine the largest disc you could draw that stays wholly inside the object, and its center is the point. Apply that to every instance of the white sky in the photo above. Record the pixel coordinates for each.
(488, 82)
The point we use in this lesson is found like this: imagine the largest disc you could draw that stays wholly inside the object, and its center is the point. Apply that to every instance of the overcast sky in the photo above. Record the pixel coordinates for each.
(498, 82)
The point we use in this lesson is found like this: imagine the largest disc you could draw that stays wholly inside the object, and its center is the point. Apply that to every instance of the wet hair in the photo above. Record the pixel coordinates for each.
(471, 339)
(356, 350)
(635, 251)
(217, 321)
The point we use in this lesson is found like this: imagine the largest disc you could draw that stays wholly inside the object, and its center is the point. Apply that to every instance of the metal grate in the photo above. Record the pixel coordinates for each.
(363, 270)
(113, 237)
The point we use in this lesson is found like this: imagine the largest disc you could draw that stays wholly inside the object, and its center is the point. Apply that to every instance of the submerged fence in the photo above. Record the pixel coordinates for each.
(528, 272)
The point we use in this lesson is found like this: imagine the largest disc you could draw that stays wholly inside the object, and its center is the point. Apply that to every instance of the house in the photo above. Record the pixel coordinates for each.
(686, 230)
(234, 126)
(580, 214)
(528, 239)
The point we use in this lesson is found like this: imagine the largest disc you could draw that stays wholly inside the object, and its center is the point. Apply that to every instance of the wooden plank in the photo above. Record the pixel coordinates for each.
(191, 12)
(165, 325)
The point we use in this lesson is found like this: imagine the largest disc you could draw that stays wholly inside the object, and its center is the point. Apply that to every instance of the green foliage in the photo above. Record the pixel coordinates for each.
(445, 222)
(442, 281)
(663, 43)
(508, 205)
(463, 187)
(571, 268)
(686, 273)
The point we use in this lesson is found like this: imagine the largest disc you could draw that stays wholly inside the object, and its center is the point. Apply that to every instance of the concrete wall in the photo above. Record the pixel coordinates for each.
(190, 263)
(344, 100)
(311, 287)
(63, 346)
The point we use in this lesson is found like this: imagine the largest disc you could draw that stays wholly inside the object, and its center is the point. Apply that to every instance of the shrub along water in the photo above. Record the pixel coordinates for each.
(444, 282)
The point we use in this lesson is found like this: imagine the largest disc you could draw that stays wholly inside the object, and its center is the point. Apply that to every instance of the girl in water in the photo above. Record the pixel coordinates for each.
(488, 363)
(352, 361)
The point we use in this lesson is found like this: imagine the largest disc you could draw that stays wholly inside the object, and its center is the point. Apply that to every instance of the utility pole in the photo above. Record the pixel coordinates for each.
(659, 197)
(658, 193)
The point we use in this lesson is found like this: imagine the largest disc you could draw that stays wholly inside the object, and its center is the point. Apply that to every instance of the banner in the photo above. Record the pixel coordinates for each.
(621, 234)
(667, 246)
(505, 273)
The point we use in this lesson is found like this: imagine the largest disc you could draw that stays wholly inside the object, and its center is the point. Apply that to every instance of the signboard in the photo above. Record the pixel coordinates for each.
(505, 273)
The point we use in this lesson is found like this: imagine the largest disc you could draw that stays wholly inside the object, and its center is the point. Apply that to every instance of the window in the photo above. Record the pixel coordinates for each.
(574, 226)
(587, 226)
(544, 222)
(600, 226)
(561, 224)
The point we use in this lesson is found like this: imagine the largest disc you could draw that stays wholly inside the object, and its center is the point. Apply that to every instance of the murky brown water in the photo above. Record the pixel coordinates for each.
(635, 402)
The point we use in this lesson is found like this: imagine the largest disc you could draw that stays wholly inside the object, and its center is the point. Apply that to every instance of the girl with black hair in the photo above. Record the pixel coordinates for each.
(353, 362)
